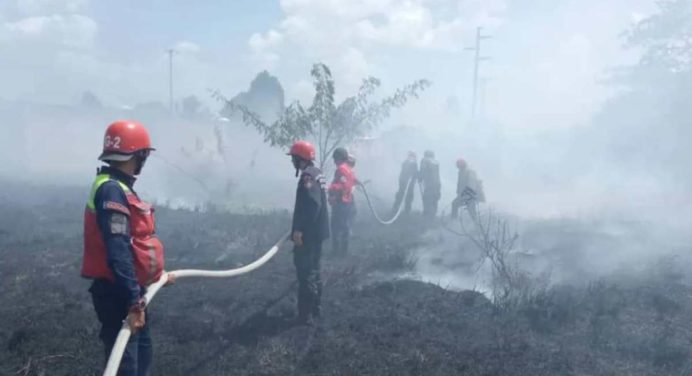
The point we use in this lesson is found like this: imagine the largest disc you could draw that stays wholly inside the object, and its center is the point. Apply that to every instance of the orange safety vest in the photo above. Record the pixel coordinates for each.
(341, 189)
(147, 249)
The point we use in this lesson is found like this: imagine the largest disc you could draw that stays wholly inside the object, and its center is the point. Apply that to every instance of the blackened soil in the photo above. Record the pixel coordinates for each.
(244, 326)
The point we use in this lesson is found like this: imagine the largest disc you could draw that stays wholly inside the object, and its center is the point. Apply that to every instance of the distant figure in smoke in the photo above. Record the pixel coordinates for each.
(122, 253)
(310, 230)
(429, 177)
(469, 190)
(407, 180)
(341, 200)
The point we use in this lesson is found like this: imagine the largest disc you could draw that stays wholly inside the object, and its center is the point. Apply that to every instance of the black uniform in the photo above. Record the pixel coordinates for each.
(429, 177)
(407, 176)
(311, 218)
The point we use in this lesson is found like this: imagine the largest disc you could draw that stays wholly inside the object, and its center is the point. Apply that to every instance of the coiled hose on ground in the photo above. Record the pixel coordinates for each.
(125, 332)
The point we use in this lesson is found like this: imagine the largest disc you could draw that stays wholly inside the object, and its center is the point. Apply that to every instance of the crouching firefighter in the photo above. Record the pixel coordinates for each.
(469, 191)
(122, 254)
(310, 230)
(341, 200)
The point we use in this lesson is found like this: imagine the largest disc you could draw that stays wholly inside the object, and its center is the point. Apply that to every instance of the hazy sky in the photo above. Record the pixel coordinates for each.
(546, 55)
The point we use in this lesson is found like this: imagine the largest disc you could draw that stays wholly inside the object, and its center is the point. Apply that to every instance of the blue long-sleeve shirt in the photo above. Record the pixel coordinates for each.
(113, 221)
(310, 213)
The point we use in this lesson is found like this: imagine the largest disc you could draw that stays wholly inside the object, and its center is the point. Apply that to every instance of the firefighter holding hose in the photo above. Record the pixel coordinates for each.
(310, 230)
(341, 200)
(122, 254)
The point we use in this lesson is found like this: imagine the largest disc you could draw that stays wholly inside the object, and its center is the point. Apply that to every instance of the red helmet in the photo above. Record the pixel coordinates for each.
(124, 138)
(461, 163)
(303, 149)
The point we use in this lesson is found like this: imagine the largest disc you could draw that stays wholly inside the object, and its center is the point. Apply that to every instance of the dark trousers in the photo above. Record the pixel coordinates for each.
(343, 215)
(430, 202)
(111, 309)
(307, 261)
(400, 197)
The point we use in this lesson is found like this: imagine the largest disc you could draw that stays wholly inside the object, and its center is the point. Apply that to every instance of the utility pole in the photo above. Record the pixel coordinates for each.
(482, 87)
(477, 60)
(170, 77)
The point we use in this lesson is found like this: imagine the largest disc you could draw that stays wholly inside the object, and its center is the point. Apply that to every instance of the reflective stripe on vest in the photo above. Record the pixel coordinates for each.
(100, 180)
(147, 250)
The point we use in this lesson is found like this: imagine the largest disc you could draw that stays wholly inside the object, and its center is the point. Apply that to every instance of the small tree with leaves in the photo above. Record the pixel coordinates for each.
(324, 122)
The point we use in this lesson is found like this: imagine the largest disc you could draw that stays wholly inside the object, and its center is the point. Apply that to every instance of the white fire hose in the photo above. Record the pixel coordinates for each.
(399, 210)
(125, 332)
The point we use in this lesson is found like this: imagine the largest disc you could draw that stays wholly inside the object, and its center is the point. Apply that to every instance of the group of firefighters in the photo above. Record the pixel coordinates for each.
(123, 255)
(469, 187)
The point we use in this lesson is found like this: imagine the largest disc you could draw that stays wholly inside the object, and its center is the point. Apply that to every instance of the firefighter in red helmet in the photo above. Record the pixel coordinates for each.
(122, 254)
(469, 191)
(310, 230)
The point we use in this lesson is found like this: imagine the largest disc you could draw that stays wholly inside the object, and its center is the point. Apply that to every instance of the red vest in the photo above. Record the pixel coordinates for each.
(341, 189)
(147, 250)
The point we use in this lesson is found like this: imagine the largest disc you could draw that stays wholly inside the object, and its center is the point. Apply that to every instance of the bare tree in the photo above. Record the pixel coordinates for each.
(497, 241)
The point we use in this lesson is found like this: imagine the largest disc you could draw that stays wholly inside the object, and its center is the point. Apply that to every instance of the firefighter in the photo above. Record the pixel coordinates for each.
(341, 200)
(429, 178)
(469, 190)
(407, 183)
(310, 230)
(122, 254)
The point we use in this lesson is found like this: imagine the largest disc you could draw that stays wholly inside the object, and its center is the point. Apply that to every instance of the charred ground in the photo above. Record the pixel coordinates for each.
(372, 326)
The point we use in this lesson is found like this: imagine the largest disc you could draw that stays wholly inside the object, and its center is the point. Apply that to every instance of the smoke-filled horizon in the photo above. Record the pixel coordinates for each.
(552, 138)
(546, 58)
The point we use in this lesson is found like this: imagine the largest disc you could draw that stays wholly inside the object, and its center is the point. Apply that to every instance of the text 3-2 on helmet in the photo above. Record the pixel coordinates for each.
(123, 139)
(303, 149)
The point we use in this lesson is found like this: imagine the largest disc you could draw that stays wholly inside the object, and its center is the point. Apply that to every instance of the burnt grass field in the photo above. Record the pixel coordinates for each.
(371, 326)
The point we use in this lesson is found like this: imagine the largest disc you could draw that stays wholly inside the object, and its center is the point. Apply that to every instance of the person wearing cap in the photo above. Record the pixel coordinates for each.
(407, 183)
(342, 202)
(310, 230)
(122, 254)
(429, 178)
